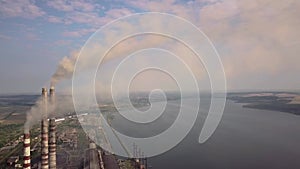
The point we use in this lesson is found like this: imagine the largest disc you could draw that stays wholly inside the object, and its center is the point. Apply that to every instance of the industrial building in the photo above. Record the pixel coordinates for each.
(94, 158)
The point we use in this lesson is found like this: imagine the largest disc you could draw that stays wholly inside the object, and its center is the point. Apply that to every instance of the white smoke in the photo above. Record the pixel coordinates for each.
(64, 69)
(51, 107)
(126, 47)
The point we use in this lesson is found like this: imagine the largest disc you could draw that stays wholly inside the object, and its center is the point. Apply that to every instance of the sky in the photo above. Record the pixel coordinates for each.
(258, 41)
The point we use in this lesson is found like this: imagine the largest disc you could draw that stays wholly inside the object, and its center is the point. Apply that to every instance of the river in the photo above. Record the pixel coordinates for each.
(245, 139)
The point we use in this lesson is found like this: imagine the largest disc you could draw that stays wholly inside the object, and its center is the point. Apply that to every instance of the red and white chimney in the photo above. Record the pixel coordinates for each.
(26, 156)
(52, 134)
(45, 144)
(44, 131)
(52, 145)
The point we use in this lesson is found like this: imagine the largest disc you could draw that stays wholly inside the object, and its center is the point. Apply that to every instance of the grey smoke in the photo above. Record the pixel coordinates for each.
(62, 106)
(64, 69)
(66, 66)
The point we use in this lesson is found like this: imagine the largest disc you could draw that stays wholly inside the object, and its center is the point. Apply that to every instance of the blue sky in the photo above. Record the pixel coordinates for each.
(33, 42)
(257, 41)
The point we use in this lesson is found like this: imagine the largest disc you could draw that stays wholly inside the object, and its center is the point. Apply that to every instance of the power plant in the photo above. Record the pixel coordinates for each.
(48, 146)
(93, 157)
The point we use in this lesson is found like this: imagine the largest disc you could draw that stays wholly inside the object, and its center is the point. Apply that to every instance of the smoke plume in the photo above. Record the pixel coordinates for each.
(64, 69)
(63, 105)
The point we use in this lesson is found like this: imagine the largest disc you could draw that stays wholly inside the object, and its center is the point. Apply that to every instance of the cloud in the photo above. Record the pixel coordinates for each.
(79, 33)
(68, 6)
(54, 19)
(76, 12)
(116, 13)
(62, 42)
(32, 36)
(20, 8)
(94, 19)
(91, 20)
(254, 38)
(5, 37)
(167, 6)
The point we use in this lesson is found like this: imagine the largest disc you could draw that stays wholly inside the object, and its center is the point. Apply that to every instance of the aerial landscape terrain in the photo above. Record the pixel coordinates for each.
(149, 84)
(72, 141)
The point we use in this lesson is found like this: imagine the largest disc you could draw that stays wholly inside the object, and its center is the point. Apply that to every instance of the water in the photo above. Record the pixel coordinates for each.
(245, 139)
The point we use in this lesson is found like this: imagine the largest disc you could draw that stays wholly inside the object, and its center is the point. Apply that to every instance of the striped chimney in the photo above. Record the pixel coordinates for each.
(44, 130)
(52, 136)
(44, 92)
(51, 91)
(26, 156)
(52, 145)
(45, 144)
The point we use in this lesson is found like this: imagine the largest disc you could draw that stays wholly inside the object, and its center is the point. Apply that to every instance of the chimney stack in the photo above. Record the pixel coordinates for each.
(44, 92)
(52, 135)
(52, 145)
(51, 91)
(45, 144)
(44, 130)
(26, 156)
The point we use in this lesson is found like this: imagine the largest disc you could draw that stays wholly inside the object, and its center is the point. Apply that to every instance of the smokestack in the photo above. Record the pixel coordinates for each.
(44, 92)
(26, 156)
(45, 144)
(44, 130)
(52, 135)
(52, 145)
(51, 91)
